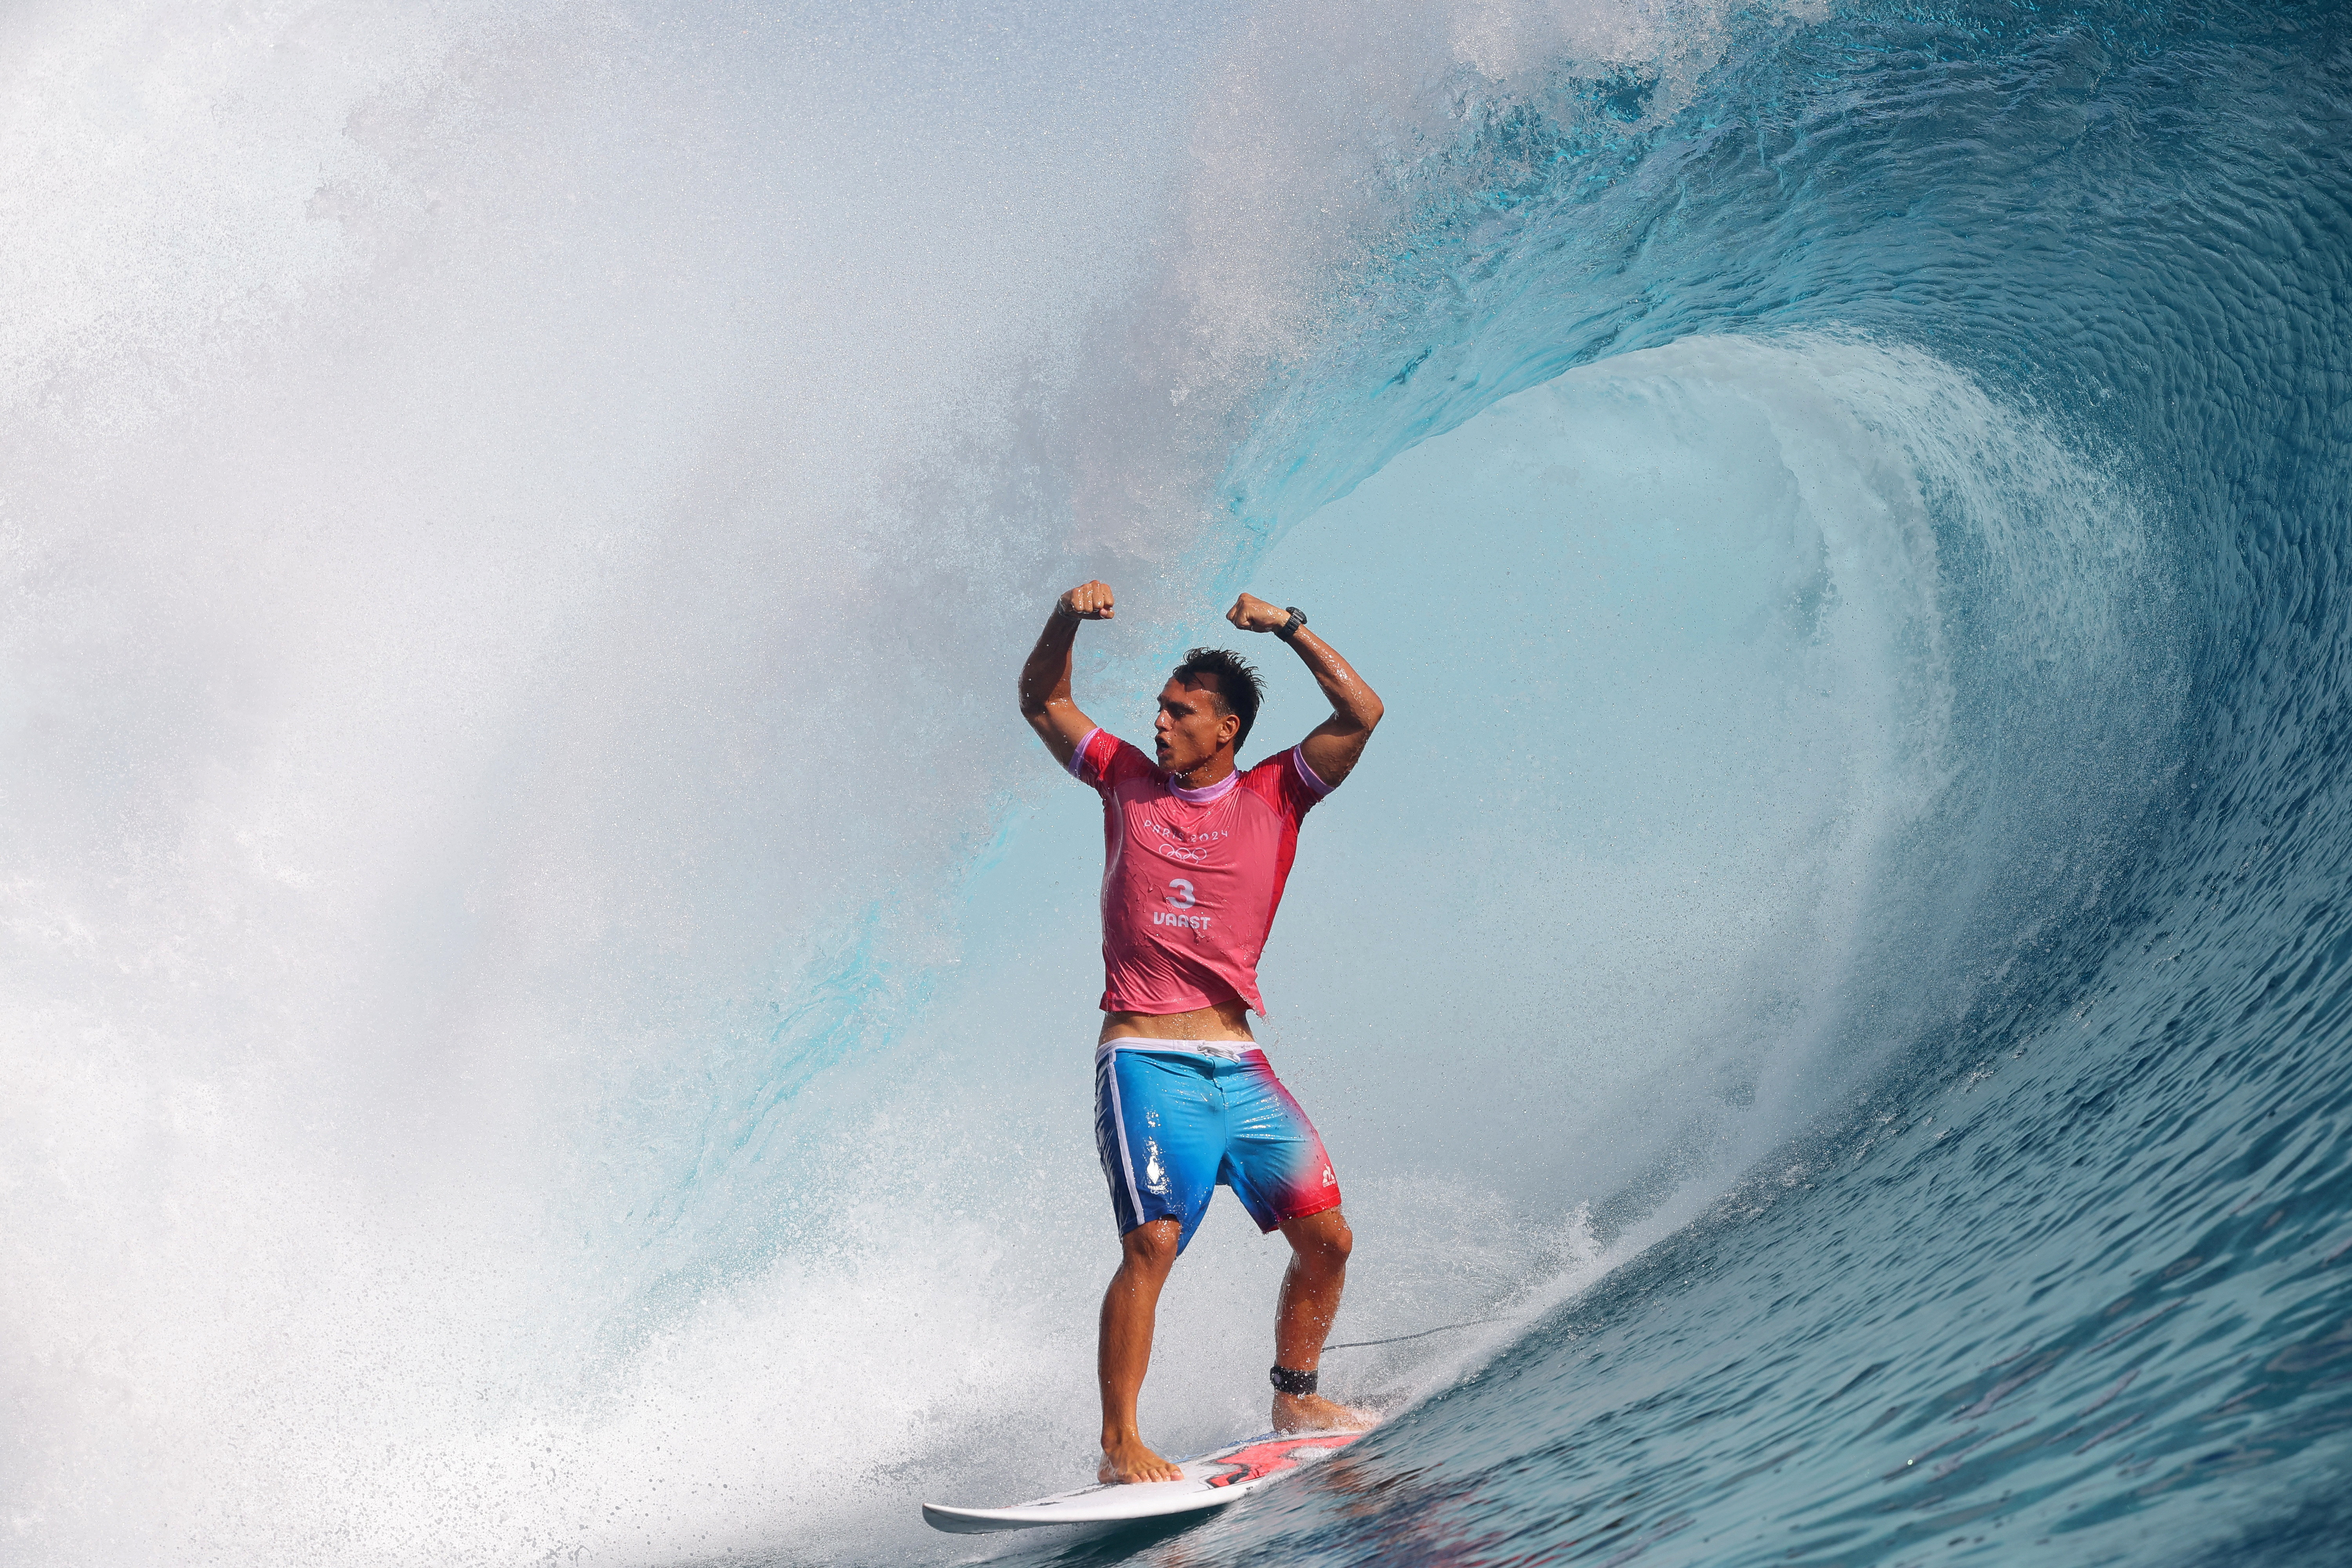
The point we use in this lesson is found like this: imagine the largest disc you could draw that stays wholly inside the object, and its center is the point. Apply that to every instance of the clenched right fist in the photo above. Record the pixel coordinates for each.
(1087, 601)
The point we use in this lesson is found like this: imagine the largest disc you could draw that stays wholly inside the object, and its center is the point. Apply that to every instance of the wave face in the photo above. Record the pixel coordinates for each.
(549, 994)
(2063, 1271)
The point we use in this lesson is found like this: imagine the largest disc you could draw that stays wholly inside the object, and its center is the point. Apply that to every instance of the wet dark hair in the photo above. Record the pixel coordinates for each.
(1239, 690)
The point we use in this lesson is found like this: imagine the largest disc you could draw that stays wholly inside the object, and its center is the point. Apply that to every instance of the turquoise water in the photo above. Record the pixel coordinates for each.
(2063, 1274)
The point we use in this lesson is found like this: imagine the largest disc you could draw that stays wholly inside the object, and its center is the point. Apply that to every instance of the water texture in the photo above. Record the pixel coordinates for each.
(547, 993)
(2065, 1281)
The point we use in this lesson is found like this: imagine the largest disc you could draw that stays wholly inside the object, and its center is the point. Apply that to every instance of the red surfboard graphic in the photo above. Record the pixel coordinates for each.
(1278, 1453)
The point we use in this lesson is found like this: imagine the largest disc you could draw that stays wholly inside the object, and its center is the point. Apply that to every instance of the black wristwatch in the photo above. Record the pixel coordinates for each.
(1289, 628)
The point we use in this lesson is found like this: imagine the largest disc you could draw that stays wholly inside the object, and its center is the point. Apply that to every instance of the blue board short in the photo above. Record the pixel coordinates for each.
(1173, 1120)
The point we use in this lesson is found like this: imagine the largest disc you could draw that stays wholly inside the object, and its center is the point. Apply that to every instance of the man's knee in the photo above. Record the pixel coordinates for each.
(1321, 1241)
(1151, 1246)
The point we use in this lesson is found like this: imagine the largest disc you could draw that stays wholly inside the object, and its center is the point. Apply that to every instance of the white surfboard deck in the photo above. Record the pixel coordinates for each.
(1210, 1481)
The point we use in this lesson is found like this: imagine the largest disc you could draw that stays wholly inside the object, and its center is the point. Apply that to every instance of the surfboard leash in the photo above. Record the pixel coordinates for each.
(1442, 1329)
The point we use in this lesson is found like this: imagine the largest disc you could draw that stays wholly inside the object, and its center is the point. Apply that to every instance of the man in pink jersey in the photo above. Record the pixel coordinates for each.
(1195, 855)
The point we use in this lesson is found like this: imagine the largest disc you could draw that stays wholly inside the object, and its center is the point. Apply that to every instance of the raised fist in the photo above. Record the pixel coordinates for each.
(1088, 602)
(1252, 614)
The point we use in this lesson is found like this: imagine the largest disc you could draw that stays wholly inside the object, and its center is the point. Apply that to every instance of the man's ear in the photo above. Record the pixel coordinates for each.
(1229, 729)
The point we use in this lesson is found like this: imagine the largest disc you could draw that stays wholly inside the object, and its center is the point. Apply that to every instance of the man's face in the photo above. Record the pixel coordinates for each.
(1189, 729)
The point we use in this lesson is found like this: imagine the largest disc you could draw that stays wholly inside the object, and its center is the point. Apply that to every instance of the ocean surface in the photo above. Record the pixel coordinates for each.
(546, 991)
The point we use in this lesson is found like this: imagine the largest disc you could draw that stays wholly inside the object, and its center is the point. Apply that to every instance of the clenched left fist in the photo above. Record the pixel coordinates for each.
(1252, 614)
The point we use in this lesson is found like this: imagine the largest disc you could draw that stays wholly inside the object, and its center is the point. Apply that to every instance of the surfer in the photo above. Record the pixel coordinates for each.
(1197, 852)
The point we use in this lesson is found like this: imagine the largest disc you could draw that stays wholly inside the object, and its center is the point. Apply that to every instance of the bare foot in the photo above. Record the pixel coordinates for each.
(1313, 1413)
(1127, 1459)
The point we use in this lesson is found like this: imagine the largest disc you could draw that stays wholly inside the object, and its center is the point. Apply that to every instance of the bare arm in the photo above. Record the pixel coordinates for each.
(1046, 678)
(1332, 746)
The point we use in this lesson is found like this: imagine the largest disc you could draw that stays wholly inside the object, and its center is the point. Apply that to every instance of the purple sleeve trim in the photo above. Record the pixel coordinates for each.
(1306, 773)
(1079, 757)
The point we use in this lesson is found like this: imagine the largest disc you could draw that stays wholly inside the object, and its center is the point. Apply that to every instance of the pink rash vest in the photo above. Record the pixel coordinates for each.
(1191, 876)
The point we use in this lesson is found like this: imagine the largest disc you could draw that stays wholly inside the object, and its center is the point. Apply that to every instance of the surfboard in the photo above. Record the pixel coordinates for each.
(1212, 1480)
